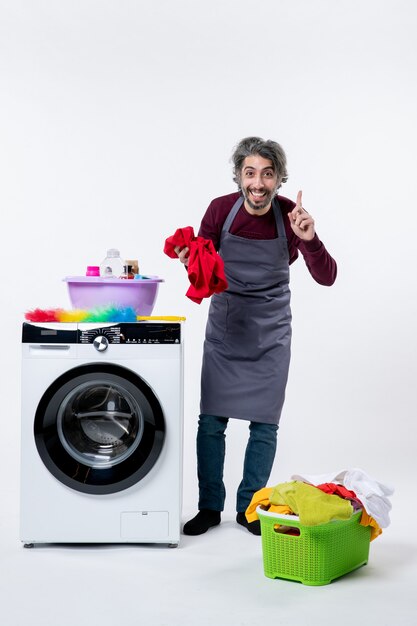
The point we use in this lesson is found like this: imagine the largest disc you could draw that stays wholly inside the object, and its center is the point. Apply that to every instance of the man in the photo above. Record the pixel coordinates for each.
(248, 336)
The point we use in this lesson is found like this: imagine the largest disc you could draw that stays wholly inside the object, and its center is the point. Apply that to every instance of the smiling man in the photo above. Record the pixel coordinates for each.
(248, 336)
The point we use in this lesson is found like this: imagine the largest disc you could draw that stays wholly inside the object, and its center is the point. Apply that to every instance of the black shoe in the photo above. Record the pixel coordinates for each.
(205, 519)
(252, 527)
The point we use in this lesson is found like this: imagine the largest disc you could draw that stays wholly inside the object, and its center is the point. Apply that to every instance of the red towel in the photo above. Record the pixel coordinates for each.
(339, 490)
(205, 266)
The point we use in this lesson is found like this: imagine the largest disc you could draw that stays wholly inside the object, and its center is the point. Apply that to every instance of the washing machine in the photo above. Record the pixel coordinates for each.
(101, 443)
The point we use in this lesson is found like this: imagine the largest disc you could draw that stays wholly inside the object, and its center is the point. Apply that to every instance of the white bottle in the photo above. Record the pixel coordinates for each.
(112, 265)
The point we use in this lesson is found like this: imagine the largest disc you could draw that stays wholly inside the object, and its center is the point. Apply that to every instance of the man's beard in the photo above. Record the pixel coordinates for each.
(269, 195)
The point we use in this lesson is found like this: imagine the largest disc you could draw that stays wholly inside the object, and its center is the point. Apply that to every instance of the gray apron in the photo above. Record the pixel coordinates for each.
(248, 335)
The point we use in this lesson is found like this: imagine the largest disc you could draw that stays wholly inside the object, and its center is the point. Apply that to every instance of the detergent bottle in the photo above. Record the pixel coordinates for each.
(112, 265)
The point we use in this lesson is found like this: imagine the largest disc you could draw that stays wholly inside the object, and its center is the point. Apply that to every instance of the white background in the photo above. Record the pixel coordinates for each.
(117, 123)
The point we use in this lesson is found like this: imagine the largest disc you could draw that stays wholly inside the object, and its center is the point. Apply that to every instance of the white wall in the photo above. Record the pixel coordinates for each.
(118, 119)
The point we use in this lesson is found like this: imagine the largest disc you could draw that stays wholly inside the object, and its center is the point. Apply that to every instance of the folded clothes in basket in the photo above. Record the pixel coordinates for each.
(313, 505)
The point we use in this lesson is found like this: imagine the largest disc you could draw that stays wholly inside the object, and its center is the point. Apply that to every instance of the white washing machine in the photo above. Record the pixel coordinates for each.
(102, 416)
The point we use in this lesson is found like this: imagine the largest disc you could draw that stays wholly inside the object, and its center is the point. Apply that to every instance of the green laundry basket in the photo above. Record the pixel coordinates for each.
(316, 556)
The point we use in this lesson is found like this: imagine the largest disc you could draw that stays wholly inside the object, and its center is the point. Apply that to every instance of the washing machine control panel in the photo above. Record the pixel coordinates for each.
(132, 333)
(101, 336)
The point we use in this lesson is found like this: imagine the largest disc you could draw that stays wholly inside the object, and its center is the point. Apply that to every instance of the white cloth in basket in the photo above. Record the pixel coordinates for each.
(372, 493)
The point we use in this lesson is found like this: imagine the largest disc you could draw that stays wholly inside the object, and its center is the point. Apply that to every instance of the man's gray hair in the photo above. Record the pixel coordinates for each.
(267, 149)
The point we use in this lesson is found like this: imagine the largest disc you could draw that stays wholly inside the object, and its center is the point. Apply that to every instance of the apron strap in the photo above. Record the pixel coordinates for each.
(231, 216)
(279, 219)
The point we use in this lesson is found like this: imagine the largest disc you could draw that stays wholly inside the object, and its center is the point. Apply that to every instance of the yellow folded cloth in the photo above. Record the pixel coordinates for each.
(312, 505)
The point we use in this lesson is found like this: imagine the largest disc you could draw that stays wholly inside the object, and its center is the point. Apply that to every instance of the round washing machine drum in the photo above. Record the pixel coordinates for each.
(99, 428)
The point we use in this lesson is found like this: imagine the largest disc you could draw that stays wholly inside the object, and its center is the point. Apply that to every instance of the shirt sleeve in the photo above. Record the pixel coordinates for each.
(320, 263)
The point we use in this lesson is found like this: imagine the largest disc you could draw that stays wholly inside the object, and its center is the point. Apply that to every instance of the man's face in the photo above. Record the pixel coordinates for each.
(259, 183)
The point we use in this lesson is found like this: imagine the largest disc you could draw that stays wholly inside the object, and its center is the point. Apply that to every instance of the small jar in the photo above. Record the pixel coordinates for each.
(127, 272)
(93, 270)
(134, 263)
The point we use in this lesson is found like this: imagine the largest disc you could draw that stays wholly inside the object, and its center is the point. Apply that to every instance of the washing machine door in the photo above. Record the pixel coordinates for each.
(99, 428)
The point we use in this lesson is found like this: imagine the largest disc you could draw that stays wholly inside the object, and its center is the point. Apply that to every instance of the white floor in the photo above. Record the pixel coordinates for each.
(216, 578)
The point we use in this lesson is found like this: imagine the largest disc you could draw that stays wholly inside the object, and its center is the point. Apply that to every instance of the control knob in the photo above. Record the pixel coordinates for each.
(101, 343)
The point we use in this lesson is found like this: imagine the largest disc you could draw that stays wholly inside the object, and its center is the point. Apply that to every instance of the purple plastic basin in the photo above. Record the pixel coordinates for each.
(87, 292)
